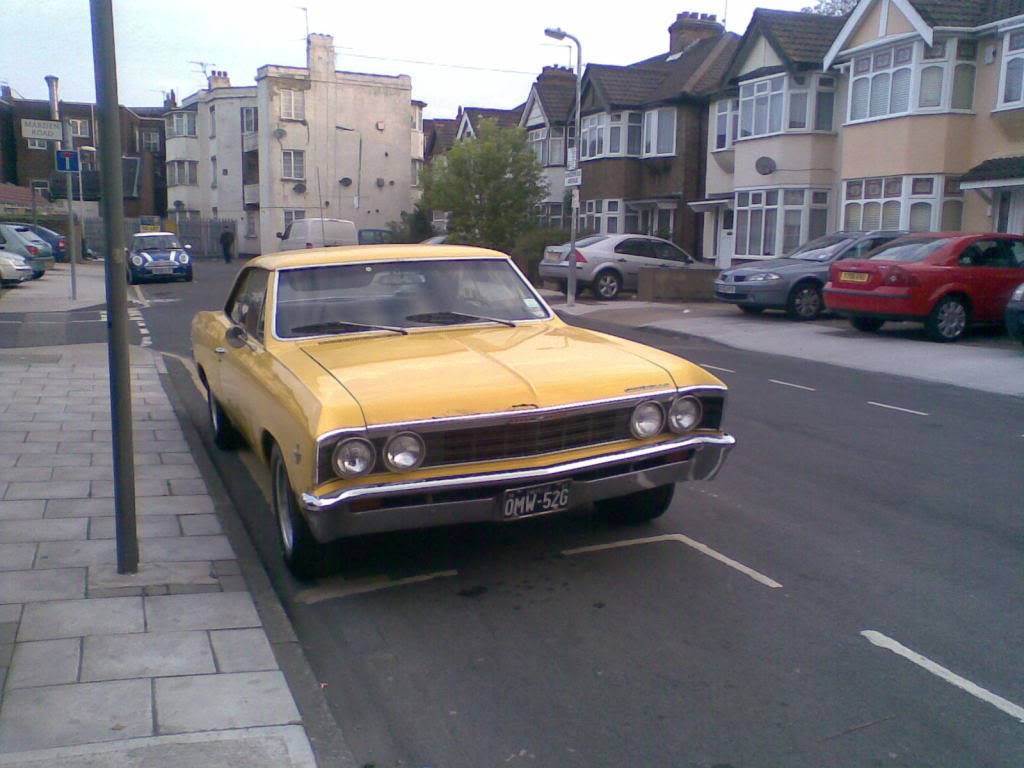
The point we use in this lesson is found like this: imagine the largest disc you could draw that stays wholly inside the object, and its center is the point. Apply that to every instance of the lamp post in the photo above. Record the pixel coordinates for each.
(570, 283)
(359, 162)
(81, 199)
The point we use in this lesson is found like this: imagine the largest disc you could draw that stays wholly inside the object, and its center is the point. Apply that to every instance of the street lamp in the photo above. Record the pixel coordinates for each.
(557, 33)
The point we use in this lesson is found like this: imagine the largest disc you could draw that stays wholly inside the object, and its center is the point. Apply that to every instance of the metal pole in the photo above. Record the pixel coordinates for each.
(570, 283)
(69, 181)
(112, 206)
(53, 83)
(35, 219)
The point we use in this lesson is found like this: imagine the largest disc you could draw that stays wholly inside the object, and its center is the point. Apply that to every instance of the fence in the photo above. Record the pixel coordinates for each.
(202, 234)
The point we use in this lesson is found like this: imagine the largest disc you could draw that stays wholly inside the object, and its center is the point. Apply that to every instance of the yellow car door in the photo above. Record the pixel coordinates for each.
(244, 362)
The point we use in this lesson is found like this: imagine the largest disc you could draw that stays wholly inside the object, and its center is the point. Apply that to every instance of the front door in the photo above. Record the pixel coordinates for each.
(239, 375)
(725, 238)
(1015, 219)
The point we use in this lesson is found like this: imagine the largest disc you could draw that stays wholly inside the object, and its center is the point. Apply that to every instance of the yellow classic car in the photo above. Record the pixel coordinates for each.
(405, 386)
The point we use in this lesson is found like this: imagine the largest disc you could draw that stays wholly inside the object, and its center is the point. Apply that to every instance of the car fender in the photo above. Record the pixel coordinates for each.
(607, 268)
(945, 289)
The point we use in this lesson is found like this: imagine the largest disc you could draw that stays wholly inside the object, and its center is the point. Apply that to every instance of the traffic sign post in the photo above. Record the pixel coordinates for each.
(68, 163)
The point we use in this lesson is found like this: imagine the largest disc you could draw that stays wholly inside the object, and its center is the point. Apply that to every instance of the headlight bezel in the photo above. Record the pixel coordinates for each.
(338, 467)
(137, 260)
(678, 402)
(183, 257)
(647, 404)
(764, 277)
(387, 452)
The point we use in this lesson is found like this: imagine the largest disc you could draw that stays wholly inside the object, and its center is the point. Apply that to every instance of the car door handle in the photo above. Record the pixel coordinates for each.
(219, 351)
(622, 260)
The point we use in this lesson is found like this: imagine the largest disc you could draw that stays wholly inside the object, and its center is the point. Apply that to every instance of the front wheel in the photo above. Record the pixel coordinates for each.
(302, 553)
(224, 434)
(805, 302)
(607, 285)
(866, 324)
(948, 320)
(637, 508)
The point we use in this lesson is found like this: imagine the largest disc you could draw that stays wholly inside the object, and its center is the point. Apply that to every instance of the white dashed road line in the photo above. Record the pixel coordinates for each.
(717, 368)
(703, 548)
(877, 638)
(897, 408)
(791, 384)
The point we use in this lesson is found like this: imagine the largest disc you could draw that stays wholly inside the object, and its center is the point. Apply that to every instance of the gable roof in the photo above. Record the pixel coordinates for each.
(556, 91)
(438, 136)
(505, 118)
(801, 40)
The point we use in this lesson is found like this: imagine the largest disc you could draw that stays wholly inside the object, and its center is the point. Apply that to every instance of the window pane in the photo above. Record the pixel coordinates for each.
(740, 240)
(818, 223)
(899, 100)
(770, 219)
(872, 189)
(862, 65)
(760, 115)
(851, 216)
(931, 87)
(633, 135)
(747, 116)
(798, 110)
(819, 198)
(854, 190)
(771, 197)
(920, 217)
(1014, 81)
(666, 131)
(665, 224)
(823, 109)
(894, 186)
(775, 113)
(742, 199)
(951, 188)
(952, 216)
(612, 225)
(721, 128)
(903, 55)
(963, 87)
(891, 215)
(922, 185)
(791, 231)
(872, 218)
(793, 197)
(756, 221)
(879, 95)
(1016, 42)
(614, 139)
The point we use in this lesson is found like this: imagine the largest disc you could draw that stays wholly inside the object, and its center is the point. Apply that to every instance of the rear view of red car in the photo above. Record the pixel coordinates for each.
(945, 280)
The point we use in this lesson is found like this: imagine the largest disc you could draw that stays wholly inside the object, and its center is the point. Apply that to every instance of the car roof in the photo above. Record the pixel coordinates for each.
(353, 254)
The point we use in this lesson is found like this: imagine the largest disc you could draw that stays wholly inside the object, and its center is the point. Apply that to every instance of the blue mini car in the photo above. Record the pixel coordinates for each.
(158, 255)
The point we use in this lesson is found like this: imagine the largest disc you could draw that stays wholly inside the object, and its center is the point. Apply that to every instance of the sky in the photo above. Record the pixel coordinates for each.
(159, 42)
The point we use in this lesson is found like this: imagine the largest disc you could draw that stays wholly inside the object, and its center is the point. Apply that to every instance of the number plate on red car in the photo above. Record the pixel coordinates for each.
(535, 500)
(854, 277)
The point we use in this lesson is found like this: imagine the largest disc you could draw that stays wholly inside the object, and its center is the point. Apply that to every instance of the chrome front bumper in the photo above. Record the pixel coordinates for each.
(477, 498)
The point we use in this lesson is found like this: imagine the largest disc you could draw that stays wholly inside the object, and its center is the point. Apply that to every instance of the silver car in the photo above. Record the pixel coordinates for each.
(20, 240)
(794, 282)
(609, 264)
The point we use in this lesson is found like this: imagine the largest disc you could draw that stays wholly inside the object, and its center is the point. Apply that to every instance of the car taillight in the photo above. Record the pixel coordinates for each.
(580, 258)
(900, 278)
(32, 249)
(62, 244)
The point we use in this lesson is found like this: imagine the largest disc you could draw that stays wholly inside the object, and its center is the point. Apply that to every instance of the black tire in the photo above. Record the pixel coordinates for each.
(188, 278)
(301, 552)
(130, 278)
(637, 508)
(948, 319)
(607, 285)
(866, 324)
(805, 302)
(749, 310)
(224, 434)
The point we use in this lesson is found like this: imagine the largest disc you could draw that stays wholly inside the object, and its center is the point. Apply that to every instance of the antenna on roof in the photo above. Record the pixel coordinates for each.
(725, 11)
(305, 13)
(203, 66)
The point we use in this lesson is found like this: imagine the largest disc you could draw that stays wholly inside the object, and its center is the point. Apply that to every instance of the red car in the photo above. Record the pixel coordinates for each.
(947, 280)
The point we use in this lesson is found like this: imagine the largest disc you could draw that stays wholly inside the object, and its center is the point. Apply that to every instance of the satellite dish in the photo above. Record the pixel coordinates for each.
(764, 165)
(345, 182)
(300, 188)
(280, 133)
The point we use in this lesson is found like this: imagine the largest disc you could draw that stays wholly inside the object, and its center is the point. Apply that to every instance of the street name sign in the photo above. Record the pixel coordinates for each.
(47, 130)
(574, 178)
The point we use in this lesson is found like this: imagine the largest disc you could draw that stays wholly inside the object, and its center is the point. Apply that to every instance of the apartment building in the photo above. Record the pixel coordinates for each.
(904, 114)
(301, 142)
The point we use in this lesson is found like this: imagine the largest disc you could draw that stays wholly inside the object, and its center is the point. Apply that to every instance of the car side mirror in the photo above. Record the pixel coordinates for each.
(188, 247)
(235, 336)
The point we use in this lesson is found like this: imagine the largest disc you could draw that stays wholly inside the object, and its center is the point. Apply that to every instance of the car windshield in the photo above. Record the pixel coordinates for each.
(821, 248)
(910, 250)
(155, 242)
(348, 298)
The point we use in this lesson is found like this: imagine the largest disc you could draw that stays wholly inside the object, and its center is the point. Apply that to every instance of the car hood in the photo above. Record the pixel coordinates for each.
(779, 266)
(434, 374)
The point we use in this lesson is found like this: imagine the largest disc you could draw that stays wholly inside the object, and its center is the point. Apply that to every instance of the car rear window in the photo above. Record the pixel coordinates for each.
(590, 240)
(910, 250)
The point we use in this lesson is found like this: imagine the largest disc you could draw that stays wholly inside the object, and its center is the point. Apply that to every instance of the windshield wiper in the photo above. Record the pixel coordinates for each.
(341, 325)
(452, 318)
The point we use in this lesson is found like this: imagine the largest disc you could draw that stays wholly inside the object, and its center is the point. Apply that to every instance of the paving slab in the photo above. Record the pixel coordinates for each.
(149, 654)
(242, 650)
(79, 508)
(12, 531)
(62, 715)
(34, 585)
(200, 525)
(32, 474)
(107, 577)
(45, 662)
(75, 618)
(10, 613)
(148, 527)
(54, 460)
(70, 489)
(22, 510)
(104, 489)
(17, 557)
(216, 610)
(236, 700)
(174, 505)
(66, 554)
(187, 548)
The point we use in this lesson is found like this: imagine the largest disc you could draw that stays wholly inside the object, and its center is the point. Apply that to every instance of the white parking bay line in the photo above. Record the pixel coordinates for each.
(336, 586)
(877, 638)
(897, 408)
(791, 384)
(704, 548)
(717, 368)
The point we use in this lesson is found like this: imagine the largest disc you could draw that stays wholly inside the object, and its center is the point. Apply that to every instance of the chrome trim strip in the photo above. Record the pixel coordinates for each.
(722, 442)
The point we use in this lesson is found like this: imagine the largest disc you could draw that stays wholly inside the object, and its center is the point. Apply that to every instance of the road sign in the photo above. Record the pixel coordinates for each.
(48, 130)
(576, 198)
(570, 158)
(67, 161)
(574, 178)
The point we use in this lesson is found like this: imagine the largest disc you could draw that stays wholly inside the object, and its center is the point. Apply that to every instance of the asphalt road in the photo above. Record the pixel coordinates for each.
(836, 515)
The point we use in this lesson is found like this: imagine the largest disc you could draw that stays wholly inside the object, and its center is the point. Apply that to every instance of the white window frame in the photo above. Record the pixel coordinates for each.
(289, 166)
(942, 189)
(249, 118)
(252, 221)
(556, 146)
(293, 104)
(179, 169)
(810, 85)
(181, 125)
(1017, 34)
(293, 214)
(37, 143)
(415, 169)
(775, 199)
(538, 140)
(596, 134)
(726, 120)
(79, 127)
(651, 126)
(213, 121)
(150, 140)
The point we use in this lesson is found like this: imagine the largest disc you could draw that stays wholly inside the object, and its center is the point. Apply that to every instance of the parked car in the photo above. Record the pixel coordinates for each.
(376, 236)
(435, 240)
(318, 233)
(395, 387)
(13, 268)
(1015, 314)
(794, 282)
(945, 280)
(609, 264)
(21, 240)
(156, 255)
(57, 242)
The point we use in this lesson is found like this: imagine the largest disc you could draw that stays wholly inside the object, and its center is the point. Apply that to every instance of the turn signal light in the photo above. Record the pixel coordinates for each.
(32, 249)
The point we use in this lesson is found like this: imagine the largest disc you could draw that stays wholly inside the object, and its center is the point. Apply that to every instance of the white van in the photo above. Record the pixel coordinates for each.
(317, 233)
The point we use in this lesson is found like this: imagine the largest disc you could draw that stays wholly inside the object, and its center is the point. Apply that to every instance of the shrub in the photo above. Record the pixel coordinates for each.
(529, 249)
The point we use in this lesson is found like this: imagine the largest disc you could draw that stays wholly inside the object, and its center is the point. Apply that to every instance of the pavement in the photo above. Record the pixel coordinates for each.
(52, 292)
(171, 665)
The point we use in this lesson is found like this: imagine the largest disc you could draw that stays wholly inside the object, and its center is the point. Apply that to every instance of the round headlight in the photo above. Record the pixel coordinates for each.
(684, 414)
(353, 457)
(182, 257)
(647, 420)
(404, 452)
(137, 260)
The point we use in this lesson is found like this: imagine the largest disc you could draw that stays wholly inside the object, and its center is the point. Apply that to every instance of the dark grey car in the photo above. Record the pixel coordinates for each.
(794, 282)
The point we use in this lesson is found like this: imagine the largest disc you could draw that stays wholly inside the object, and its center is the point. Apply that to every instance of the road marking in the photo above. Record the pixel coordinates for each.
(791, 384)
(336, 586)
(897, 408)
(877, 638)
(704, 548)
(140, 297)
(717, 368)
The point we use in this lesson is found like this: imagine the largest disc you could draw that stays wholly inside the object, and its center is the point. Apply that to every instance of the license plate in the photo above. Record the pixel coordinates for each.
(535, 500)
(727, 289)
(161, 269)
(853, 277)
(552, 256)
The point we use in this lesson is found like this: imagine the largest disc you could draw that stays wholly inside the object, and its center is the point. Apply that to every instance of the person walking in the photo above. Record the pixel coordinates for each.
(227, 239)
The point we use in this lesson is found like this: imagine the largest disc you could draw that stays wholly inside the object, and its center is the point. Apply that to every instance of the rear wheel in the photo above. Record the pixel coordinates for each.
(225, 436)
(866, 324)
(804, 302)
(607, 285)
(302, 553)
(747, 310)
(948, 320)
(636, 508)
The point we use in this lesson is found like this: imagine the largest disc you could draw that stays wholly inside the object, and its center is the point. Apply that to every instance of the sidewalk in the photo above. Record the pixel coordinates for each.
(169, 666)
(52, 292)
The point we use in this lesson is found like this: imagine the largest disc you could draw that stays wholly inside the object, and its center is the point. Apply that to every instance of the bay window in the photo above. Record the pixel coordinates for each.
(783, 103)
(556, 145)
(614, 134)
(538, 140)
(916, 203)
(182, 173)
(769, 222)
(1011, 89)
(727, 115)
(659, 132)
(180, 124)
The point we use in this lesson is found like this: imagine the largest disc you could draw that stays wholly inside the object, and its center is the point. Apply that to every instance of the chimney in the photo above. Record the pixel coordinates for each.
(689, 27)
(218, 79)
(320, 56)
(170, 100)
(5, 92)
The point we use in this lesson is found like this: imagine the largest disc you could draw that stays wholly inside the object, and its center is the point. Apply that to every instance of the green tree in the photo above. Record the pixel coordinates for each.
(413, 227)
(832, 7)
(489, 186)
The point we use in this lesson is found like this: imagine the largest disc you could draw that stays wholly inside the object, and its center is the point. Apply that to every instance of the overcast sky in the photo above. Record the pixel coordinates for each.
(157, 40)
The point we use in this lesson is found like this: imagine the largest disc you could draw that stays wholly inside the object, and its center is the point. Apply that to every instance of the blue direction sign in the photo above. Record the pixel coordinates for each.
(67, 161)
